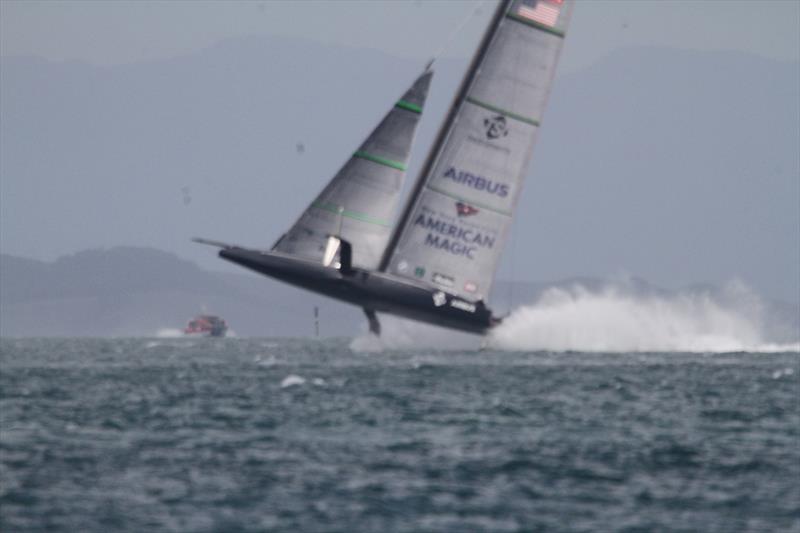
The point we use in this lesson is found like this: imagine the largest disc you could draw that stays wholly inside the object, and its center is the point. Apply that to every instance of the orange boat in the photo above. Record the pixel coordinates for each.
(206, 326)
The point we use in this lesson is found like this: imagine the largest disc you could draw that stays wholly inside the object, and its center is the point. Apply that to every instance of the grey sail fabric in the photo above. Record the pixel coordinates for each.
(454, 227)
(359, 203)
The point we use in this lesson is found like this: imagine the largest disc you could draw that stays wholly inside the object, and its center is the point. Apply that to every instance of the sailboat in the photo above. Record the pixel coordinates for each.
(437, 262)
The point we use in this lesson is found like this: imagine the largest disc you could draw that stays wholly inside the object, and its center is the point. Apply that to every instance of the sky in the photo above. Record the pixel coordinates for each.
(136, 37)
(112, 33)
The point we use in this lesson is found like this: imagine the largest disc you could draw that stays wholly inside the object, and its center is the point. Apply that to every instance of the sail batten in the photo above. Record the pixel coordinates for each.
(408, 106)
(380, 160)
(502, 111)
(453, 229)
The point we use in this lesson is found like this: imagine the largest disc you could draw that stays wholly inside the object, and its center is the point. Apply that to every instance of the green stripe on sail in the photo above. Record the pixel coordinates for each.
(470, 202)
(408, 106)
(534, 24)
(351, 214)
(379, 160)
(502, 111)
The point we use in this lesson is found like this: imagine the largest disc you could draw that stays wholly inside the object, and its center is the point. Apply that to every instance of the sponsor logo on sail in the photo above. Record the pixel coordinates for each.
(402, 266)
(419, 272)
(471, 286)
(474, 181)
(453, 238)
(442, 279)
(496, 127)
(464, 306)
(465, 210)
(439, 298)
(488, 144)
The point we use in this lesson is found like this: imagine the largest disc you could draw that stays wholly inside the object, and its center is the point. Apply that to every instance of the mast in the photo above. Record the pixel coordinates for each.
(444, 130)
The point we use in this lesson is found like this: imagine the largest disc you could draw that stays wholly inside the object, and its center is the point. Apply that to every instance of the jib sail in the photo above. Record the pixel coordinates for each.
(359, 203)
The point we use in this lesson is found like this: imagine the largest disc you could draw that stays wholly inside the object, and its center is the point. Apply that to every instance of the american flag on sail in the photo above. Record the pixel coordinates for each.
(541, 11)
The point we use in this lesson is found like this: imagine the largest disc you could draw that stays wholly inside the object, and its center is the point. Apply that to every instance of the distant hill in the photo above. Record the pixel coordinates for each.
(130, 291)
(672, 165)
(127, 291)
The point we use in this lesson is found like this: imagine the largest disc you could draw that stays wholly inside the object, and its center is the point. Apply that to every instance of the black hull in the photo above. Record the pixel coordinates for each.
(370, 290)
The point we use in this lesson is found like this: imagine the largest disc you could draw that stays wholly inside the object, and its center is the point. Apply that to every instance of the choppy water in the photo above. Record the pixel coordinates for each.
(299, 435)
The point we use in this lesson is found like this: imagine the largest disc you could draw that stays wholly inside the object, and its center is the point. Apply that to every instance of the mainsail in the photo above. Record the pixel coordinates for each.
(452, 231)
(359, 203)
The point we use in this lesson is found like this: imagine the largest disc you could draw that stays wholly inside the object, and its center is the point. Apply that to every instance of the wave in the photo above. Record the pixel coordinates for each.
(403, 334)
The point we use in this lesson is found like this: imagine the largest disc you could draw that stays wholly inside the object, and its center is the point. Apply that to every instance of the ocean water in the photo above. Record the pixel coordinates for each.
(234, 434)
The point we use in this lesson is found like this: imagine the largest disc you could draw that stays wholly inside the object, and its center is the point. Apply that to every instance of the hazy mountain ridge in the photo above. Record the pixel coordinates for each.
(139, 291)
(130, 291)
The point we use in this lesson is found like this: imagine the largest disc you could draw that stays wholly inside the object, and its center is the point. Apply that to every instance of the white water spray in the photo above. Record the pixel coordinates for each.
(169, 333)
(614, 319)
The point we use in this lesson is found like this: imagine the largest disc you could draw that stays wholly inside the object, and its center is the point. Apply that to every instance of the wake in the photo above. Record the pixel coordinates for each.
(169, 333)
(614, 318)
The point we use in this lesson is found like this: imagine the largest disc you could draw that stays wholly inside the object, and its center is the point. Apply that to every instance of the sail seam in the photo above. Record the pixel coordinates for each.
(470, 202)
(534, 24)
(379, 160)
(408, 106)
(361, 217)
(500, 110)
